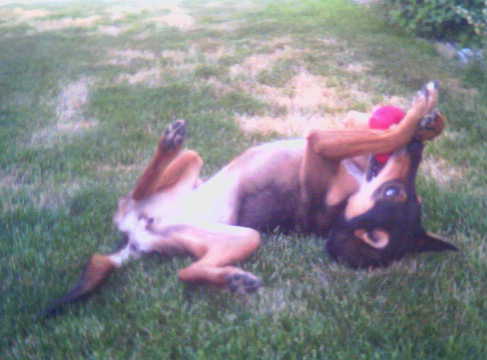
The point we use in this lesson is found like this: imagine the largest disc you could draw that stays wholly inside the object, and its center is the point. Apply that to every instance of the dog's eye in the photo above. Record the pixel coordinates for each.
(391, 192)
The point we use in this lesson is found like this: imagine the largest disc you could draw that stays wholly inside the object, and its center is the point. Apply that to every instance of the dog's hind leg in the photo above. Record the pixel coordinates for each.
(168, 164)
(216, 247)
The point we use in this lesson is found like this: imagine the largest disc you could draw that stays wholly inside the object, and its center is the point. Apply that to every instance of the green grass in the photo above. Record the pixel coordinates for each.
(60, 181)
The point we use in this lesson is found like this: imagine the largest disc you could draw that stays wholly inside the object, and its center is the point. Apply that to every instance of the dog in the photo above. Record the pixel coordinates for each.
(330, 183)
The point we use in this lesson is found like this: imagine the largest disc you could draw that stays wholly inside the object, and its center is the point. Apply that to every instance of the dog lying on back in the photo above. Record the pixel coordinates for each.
(331, 183)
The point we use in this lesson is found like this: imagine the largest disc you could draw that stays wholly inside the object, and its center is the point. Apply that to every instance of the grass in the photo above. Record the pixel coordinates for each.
(78, 124)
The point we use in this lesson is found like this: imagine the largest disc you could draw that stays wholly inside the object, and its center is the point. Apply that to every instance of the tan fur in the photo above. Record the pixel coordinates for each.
(364, 199)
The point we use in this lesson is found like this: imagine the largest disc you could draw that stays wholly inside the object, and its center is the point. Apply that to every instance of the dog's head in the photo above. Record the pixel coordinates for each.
(381, 222)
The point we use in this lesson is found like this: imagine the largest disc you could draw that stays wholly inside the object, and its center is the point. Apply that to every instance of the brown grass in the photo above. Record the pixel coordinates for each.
(110, 30)
(26, 15)
(126, 56)
(177, 17)
(308, 102)
(71, 99)
(441, 171)
(69, 112)
(254, 64)
(68, 22)
(148, 76)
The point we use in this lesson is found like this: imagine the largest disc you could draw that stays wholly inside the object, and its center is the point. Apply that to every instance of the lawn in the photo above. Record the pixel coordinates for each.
(86, 88)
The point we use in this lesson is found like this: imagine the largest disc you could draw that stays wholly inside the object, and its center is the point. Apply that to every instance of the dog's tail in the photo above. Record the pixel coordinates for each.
(97, 270)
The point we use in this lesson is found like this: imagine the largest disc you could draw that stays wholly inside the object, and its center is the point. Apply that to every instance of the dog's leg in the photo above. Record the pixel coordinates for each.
(216, 247)
(182, 172)
(341, 144)
(154, 177)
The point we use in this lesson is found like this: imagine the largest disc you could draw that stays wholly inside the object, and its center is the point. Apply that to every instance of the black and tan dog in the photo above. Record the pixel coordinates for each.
(327, 183)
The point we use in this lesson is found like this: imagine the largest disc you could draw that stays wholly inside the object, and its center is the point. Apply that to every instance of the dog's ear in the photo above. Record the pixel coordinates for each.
(429, 242)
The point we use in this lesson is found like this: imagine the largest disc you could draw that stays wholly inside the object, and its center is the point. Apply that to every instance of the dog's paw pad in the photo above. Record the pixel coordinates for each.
(243, 283)
(174, 135)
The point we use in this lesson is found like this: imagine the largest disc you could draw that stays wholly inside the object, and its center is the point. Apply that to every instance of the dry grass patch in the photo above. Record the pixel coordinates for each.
(441, 171)
(125, 57)
(151, 77)
(22, 15)
(110, 30)
(44, 194)
(357, 68)
(68, 22)
(177, 17)
(255, 64)
(69, 112)
(309, 103)
(119, 168)
(305, 101)
(71, 99)
(226, 26)
(291, 124)
(457, 86)
(8, 180)
(273, 301)
(176, 56)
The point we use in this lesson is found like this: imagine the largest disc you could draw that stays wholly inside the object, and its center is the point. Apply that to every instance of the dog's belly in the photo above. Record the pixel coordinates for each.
(270, 208)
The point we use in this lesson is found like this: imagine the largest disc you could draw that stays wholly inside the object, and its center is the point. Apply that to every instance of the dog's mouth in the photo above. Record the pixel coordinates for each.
(374, 168)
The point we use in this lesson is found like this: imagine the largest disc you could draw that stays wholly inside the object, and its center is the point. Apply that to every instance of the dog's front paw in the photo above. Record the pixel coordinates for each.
(243, 283)
(173, 136)
(430, 126)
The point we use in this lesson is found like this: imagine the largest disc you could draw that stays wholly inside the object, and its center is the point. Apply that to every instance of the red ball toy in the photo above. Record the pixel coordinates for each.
(382, 118)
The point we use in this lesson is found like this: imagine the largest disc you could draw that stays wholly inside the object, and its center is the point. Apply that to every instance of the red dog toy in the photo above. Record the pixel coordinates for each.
(383, 118)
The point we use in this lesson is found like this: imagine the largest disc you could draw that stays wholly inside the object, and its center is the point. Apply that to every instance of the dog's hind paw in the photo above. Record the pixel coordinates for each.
(174, 135)
(243, 283)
